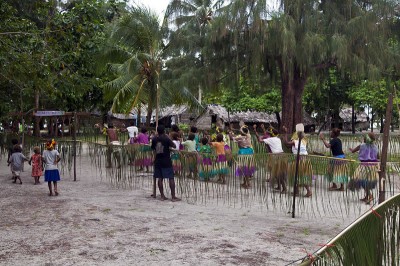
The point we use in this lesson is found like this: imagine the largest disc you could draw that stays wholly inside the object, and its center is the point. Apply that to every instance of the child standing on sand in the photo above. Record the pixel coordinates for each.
(37, 164)
(10, 152)
(17, 163)
(51, 157)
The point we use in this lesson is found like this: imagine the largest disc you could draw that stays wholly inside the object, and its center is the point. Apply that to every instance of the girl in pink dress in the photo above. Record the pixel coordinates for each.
(37, 164)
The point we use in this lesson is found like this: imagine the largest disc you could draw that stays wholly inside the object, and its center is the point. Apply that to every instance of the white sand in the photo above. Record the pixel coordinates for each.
(92, 223)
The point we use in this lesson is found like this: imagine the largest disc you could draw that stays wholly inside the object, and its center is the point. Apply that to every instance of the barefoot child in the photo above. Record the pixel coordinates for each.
(222, 166)
(190, 146)
(176, 162)
(10, 152)
(206, 161)
(17, 163)
(37, 164)
(51, 157)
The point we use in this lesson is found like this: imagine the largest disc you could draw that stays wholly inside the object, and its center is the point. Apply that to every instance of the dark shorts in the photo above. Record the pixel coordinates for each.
(163, 172)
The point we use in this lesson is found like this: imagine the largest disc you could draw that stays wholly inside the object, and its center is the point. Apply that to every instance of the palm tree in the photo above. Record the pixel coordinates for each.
(189, 22)
(134, 55)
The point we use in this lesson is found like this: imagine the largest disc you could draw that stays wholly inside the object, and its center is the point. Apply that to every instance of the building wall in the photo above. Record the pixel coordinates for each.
(204, 122)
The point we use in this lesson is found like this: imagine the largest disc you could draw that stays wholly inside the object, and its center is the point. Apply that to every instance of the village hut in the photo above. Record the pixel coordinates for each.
(217, 115)
(345, 122)
(309, 123)
(169, 115)
(121, 120)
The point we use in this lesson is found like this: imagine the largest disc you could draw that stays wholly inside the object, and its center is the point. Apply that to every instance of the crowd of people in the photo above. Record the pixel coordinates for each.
(212, 156)
(209, 157)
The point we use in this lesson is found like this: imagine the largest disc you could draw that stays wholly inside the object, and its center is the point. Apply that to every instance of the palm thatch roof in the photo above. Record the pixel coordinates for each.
(219, 110)
(247, 116)
(254, 117)
(172, 110)
(345, 114)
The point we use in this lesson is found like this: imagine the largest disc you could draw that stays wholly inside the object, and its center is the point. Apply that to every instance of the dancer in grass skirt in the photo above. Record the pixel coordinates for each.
(366, 175)
(205, 160)
(190, 158)
(175, 157)
(227, 147)
(337, 171)
(265, 135)
(144, 154)
(277, 161)
(245, 157)
(305, 173)
(221, 163)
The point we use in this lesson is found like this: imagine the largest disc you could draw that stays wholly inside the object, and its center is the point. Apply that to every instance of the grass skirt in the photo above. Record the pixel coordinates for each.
(246, 164)
(221, 166)
(144, 156)
(366, 176)
(176, 162)
(338, 171)
(278, 167)
(205, 166)
(189, 161)
(305, 172)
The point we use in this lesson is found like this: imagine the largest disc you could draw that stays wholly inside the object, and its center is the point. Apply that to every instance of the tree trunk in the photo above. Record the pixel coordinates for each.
(385, 145)
(287, 103)
(353, 120)
(37, 119)
(382, 124)
(149, 113)
(372, 121)
(292, 92)
(278, 118)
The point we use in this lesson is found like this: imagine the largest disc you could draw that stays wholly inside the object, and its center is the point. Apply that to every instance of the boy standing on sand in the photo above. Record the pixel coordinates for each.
(161, 145)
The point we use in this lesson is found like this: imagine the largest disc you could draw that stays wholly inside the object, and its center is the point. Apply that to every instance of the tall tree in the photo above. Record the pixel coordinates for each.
(189, 23)
(134, 53)
(47, 52)
(304, 37)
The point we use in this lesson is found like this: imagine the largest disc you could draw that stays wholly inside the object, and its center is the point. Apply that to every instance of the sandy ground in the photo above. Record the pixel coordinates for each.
(93, 223)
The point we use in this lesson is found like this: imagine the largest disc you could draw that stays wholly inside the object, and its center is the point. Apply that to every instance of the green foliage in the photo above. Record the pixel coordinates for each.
(247, 97)
(373, 94)
(133, 56)
(370, 240)
(328, 96)
(184, 127)
(47, 52)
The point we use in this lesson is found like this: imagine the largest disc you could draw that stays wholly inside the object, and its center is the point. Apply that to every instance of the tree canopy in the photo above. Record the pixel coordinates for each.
(241, 54)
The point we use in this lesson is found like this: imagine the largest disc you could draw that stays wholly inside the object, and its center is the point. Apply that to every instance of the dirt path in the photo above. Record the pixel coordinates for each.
(92, 223)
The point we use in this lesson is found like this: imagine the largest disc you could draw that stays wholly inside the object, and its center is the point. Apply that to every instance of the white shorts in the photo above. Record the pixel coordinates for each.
(16, 173)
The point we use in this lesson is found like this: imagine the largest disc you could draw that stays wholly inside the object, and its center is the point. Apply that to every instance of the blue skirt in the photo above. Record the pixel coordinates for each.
(51, 175)
(245, 151)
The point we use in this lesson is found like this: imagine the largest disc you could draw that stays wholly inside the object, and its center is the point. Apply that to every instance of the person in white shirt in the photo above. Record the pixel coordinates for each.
(278, 163)
(133, 131)
(274, 143)
(305, 168)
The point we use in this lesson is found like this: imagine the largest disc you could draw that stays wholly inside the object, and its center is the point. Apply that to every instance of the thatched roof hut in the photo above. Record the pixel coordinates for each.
(361, 122)
(218, 115)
